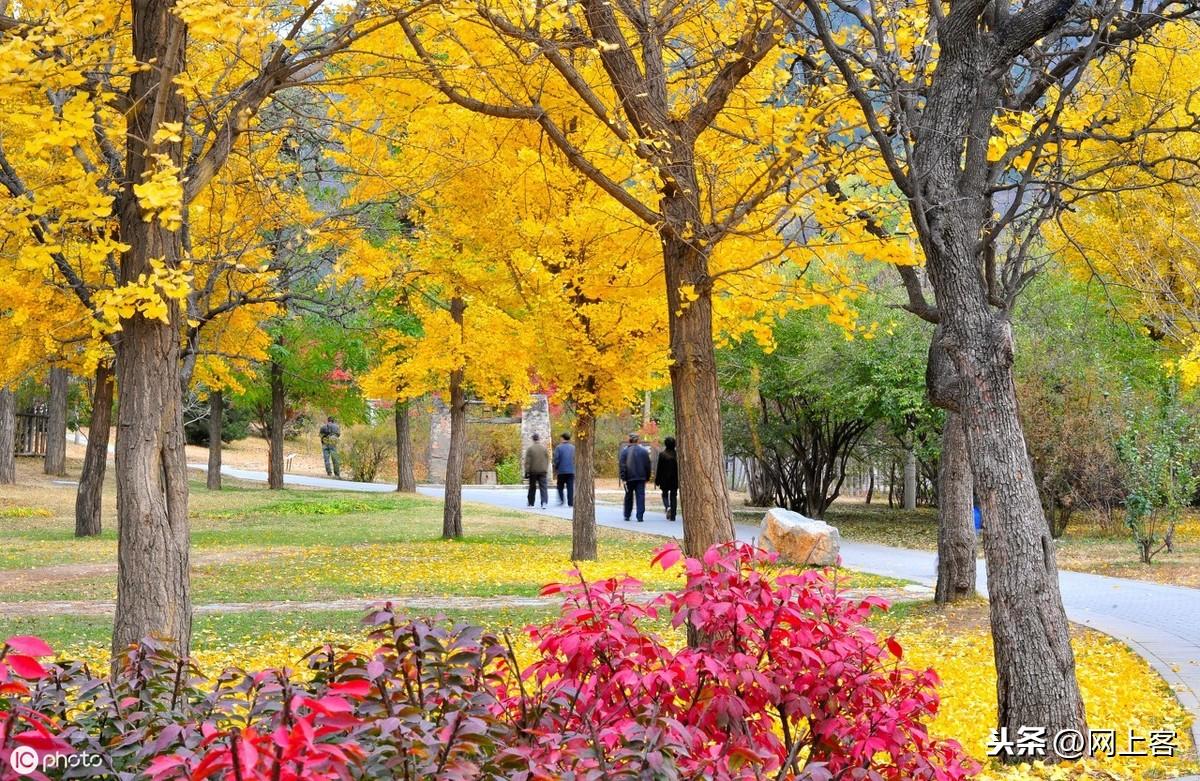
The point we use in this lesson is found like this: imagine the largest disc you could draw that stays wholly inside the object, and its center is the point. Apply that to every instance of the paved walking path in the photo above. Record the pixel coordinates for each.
(1161, 623)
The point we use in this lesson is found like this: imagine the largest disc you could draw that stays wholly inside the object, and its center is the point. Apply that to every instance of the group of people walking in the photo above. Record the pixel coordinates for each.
(635, 468)
(538, 462)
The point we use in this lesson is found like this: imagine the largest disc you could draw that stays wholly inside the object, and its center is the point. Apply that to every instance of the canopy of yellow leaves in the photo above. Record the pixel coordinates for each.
(63, 76)
(1137, 225)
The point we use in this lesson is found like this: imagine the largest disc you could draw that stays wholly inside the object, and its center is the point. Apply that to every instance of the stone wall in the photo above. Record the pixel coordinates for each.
(535, 419)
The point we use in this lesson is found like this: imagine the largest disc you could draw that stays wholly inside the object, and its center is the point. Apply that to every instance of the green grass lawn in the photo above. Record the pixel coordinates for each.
(251, 545)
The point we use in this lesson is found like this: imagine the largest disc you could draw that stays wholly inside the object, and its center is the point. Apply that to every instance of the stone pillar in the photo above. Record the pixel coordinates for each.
(439, 442)
(535, 419)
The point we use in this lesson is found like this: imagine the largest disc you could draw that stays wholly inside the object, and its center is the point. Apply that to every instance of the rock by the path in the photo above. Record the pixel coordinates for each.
(801, 540)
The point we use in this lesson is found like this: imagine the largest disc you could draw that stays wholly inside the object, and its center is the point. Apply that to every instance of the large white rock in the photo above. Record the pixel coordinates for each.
(800, 540)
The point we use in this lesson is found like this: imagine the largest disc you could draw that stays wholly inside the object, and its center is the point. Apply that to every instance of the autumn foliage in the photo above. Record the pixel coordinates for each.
(787, 683)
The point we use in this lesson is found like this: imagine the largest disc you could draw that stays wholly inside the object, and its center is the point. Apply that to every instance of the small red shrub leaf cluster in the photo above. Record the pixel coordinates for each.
(782, 680)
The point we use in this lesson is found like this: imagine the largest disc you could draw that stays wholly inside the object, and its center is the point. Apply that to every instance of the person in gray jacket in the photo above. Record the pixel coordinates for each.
(564, 469)
(537, 464)
(635, 472)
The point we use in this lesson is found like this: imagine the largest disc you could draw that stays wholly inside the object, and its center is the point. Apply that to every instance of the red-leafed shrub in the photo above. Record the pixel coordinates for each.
(783, 681)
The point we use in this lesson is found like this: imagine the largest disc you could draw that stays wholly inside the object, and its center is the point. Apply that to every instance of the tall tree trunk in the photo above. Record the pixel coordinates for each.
(275, 451)
(704, 502)
(89, 497)
(956, 520)
(153, 587)
(456, 453)
(216, 420)
(583, 515)
(56, 423)
(910, 478)
(892, 485)
(1035, 665)
(405, 482)
(870, 484)
(8, 437)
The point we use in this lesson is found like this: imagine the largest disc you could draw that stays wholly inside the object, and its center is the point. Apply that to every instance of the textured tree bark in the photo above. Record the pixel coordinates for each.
(153, 587)
(956, 521)
(275, 451)
(704, 502)
(8, 437)
(452, 507)
(583, 516)
(910, 478)
(56, 423)
(405, 482)
(90, 495)
(1035, 665)
(216, 420)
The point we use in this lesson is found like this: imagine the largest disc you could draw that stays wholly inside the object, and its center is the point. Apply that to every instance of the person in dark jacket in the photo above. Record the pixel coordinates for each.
(635, 471)
(666, 477)
(537, 464)
(564, 469)
(330, 433)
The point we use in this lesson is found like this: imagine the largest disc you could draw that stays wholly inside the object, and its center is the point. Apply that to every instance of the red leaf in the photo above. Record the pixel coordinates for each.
(895, 648)
(667, 556)
(29, 645)
(358, 687)
(26, 666)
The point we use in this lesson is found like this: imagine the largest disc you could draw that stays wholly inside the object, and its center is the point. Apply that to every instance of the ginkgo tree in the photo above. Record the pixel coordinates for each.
(126, 114)
(459, 346)
(977, 112)
(587, 280)
(1138, 229)
(683, 116)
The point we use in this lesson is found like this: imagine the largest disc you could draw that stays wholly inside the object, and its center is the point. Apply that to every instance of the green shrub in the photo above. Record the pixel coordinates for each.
(234, 426)
(367, 449)
(508, 471)
(1158, 449)
(488, 446)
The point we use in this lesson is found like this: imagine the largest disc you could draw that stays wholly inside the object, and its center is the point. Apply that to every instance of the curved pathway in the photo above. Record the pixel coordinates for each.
(1160, 622)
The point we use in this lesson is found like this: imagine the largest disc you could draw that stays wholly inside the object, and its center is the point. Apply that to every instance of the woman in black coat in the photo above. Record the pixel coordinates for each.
(666, 477)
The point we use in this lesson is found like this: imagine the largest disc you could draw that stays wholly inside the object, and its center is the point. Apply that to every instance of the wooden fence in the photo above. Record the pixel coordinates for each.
(31, 432)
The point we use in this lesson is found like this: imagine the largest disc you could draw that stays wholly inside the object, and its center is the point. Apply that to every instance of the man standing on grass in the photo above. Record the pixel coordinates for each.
(635, 471)
(537, 464)
(330, 433)
(564, 469)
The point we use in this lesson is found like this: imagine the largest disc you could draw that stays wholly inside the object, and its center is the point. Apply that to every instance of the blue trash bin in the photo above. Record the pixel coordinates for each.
(978, 519)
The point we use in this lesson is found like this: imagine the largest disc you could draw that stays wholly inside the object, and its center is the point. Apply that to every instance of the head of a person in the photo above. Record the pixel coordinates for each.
(634, 438)
(566, 436)
(329, 419)
(669, 443)
(537, 437)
